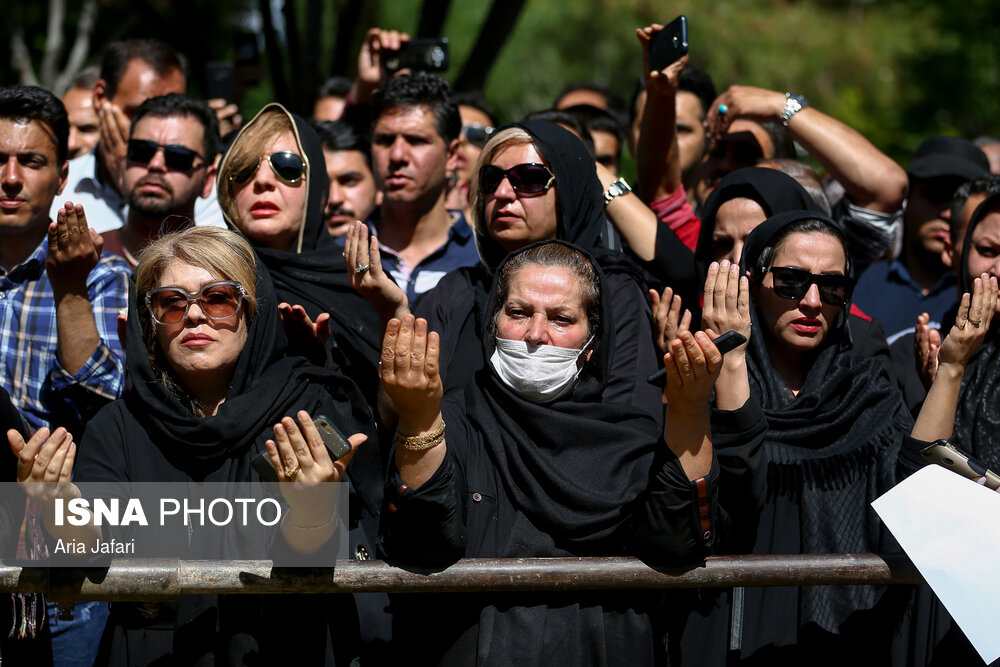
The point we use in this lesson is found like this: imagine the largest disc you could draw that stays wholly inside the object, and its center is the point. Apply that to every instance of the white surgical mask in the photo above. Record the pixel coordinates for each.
(537, 373)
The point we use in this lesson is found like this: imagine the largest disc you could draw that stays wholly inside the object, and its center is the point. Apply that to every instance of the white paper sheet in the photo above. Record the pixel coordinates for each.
(950, 528)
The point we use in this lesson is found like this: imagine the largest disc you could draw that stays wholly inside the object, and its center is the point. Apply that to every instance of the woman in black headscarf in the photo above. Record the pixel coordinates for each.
(807, 435)
(211, 390)
(535, 464)
(534, 181)
(280, 210)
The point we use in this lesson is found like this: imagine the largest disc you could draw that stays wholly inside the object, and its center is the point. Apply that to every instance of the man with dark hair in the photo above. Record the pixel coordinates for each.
(84, 125)
(353, 195)
(695, 94)
(414, 145)
(606, 133)
(132, 71)
(59, 300)
(595, 95)
(169, 164)
(331, 99)
(897, 291)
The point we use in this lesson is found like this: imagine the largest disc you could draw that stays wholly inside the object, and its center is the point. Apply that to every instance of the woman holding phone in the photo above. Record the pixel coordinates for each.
(211, 390)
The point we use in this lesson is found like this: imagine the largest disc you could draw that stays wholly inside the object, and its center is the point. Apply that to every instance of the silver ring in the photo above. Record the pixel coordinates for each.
(975, 323)
(361, 269)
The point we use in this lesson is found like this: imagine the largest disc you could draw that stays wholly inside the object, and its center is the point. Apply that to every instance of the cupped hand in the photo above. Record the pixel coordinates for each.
(693, 365)
(668, 320)
(74, 249)
(410, 374)
(300, 458)
(726, 305)
(47, 457)
(972, 323)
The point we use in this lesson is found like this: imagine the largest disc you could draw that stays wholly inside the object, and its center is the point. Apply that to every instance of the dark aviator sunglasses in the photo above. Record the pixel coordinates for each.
(175, 157)
(289, 167)
(792, 283)
(527, 179)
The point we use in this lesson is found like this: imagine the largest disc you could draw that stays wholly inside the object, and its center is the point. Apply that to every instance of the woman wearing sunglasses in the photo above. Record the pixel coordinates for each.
(807, 435)
(534, 181)
(273, 188)
(211, 390)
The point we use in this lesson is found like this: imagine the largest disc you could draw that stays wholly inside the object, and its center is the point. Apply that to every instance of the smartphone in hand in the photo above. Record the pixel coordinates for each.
(669, 44)
(727, 342)
(949, 456)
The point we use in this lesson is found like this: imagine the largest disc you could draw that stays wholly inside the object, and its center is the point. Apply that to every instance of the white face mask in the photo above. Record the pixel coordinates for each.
(537, 373)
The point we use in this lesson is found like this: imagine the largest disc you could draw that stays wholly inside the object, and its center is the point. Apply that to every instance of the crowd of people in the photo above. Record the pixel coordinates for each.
(481, 307)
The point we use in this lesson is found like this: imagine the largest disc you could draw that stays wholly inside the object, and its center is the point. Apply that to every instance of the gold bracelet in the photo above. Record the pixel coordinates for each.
(418, 443)
(288, 518)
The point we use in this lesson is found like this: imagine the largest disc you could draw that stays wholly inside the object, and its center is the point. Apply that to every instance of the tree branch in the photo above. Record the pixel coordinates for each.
(81, 45)
(21, 59)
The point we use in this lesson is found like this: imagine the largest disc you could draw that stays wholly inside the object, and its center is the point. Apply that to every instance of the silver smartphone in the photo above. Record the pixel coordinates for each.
(949, 456)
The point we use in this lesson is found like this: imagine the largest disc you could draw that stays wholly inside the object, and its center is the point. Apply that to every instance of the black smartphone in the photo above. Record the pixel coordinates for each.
(949, 456)
(669, 44)
(427, 54)
(727, 342)
(220, 80)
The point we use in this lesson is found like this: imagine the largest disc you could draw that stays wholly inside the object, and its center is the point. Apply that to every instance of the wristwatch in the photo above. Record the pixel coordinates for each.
(793, 105)
(616, 189)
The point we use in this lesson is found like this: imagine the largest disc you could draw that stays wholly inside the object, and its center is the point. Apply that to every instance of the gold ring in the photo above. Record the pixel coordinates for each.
(290, 473)
(959, 326)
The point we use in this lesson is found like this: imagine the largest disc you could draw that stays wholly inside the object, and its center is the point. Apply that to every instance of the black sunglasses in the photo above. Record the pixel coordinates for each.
(792, 283)
(477, 134)
(528, 179)
(170, 305)
(176, 158)
(289, 167)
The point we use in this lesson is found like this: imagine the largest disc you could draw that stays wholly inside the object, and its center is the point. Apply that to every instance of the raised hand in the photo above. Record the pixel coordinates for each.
(692, 365)
(46, 457)
(410, 373)
(364, 271)
(666, 78)
(926, 346)
(115, 127)
(726, 304)
(74, 249)
(304, 334)
(668, 320)
(972, 323)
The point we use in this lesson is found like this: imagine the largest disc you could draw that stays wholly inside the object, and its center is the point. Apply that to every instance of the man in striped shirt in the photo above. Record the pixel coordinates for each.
(60, 358)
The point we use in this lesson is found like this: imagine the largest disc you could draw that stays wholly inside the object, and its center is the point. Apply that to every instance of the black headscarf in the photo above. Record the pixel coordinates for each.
(313, 274)
(578, 190)
(574, 465)
(833, 446)
(266, 385)
(775, 192)
(977, 420)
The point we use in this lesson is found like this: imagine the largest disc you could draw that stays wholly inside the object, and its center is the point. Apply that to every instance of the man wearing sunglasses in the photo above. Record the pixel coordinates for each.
(414, 145)
(169, 165)
(132, 71)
